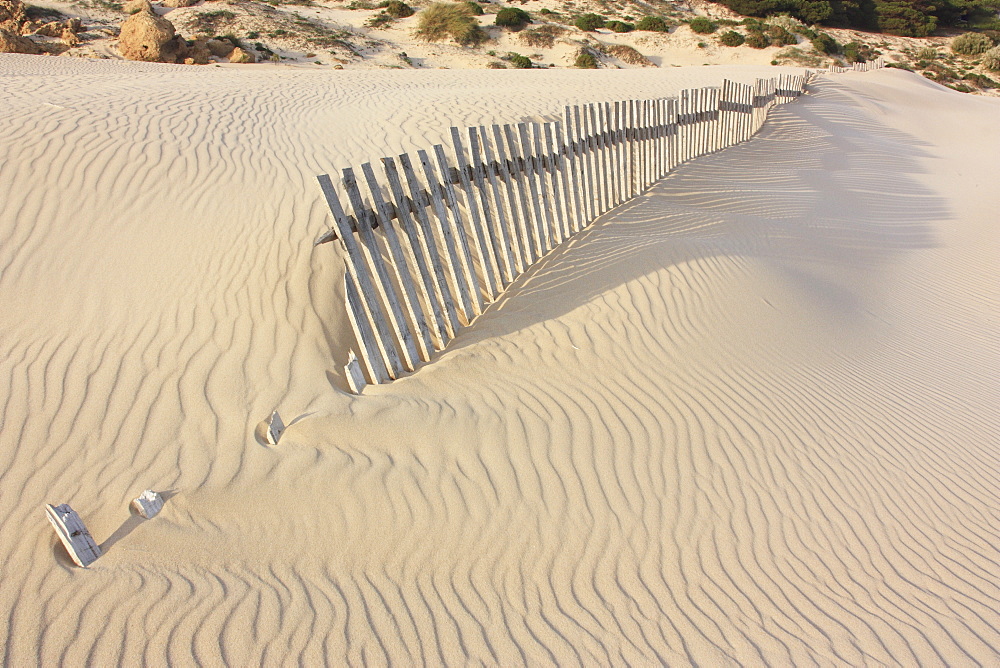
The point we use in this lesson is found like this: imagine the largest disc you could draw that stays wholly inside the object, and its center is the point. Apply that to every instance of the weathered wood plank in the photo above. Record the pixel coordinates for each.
(491, 230)
(73, 534)
(376, 266)
(505, 243)
(579, 219)
(539, 227)
(148, 504)
(482, 240)
(544, 177)
(443, 228)
(601, 154)
(517, 229)
(355, 378)
(411, 303)
(461, 237)
(423, 254)
(553, 168)
(528, 232)
(356, 263)
(364, 332)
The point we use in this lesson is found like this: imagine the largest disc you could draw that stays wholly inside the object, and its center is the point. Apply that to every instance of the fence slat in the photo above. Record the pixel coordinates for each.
(404, 279)
(553, 167)
(429, 246)
(540, 229)
(494, 223)
(482, 240)
(355, 262)
(517, 230)
(572, 145)
(363, 332)
(529, 230)
(376, 266)
(460, 238)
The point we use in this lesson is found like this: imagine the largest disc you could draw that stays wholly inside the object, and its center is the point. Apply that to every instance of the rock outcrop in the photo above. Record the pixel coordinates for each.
(150, 38)
(12, 17)
(240, 56)
(13, 43)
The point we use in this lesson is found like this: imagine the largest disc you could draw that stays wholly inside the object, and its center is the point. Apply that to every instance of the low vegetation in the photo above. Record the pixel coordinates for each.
(542, 37)
(512, 17)
(652, 24)
(444, 20)
(619, 26)
(625, 53)
(702, 25)
(589, 22)
(971, 44)
(731, 38)
(518, 61)
(585, 60)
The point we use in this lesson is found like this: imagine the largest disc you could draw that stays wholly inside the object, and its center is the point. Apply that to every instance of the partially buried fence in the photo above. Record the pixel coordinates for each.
(436, 240)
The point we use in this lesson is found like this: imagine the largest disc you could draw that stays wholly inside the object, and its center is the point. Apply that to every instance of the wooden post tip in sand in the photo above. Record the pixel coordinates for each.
(275, 428)
(148, 504)
(355, 377)
(73, 534)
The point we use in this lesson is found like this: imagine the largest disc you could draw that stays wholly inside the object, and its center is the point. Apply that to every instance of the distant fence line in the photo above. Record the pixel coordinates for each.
(868, 66)
(424, 256)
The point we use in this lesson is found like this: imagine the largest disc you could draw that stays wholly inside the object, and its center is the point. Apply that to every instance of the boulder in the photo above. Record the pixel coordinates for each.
(147, 37)
(199, 53)
(240, 56)
(220, 48)
(180, 3)
(13, 43)
(136, 6)
(69, 37)
(12, 16)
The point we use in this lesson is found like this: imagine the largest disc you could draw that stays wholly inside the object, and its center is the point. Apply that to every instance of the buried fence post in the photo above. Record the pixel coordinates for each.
(74, 535)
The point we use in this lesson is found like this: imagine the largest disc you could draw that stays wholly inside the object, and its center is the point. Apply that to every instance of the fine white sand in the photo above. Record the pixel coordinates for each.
(750, 417)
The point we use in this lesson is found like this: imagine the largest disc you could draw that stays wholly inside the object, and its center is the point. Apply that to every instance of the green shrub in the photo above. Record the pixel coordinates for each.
(971, 44)
(981, 80)
(731, 38)
(475, 8)
(449, 19)
(757, 40)
(927, 53)
(398, 10)
(585, 61)
(780, 36)
(380, 20)
(826, 44)
(589, 22)
(625, 53)
(652, 24)
(991, 59)
(512, 17)
(702, 26)
(856, 52)
(518, 61)
(495, 65)
(619, 26)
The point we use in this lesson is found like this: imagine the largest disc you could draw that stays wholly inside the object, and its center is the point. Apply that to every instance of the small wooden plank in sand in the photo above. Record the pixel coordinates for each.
(73, 534)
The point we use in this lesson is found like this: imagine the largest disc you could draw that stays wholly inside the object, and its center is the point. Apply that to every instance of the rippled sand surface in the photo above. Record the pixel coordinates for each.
(747, 418)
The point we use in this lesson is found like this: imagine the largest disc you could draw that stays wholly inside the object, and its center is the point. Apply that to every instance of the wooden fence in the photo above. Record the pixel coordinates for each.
(868, 66)
(435, 240)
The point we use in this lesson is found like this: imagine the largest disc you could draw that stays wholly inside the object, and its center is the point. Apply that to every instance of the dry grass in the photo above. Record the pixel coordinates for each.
(626, 54)
(444, 20)
(543, 37)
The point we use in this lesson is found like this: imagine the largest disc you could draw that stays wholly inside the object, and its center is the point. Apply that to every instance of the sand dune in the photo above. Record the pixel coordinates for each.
(749, 417)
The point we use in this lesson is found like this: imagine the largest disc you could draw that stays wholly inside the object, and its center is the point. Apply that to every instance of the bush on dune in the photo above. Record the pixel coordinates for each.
(652, 24)
(448, 19)
(702, 25)
(589, 22)
(731, 38)
(971, 44)
(512, 17)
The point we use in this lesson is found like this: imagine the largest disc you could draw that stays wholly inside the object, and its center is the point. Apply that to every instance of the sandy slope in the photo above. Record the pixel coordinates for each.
(749, 418)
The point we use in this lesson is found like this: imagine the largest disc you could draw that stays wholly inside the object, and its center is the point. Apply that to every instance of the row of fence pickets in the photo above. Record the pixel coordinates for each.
(425, 256)
(867, 66)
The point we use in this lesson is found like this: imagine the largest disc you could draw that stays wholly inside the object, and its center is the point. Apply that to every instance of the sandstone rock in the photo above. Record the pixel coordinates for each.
(240, 56)
(179, 3)
(12, 16)
(199, 53)
(145, 36)
(220, 48)
(14, 43)
(51, 29)
(69, 37)
(136, 6)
